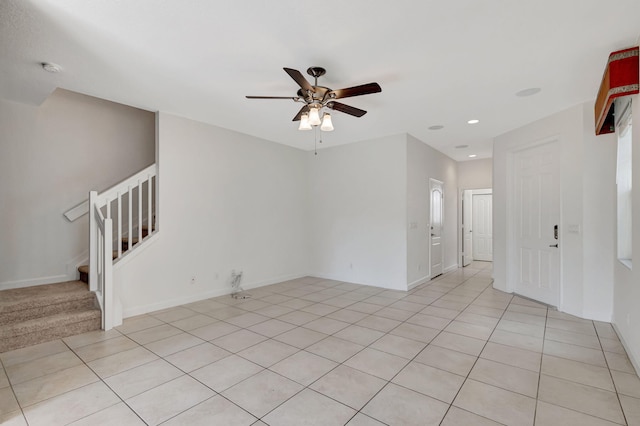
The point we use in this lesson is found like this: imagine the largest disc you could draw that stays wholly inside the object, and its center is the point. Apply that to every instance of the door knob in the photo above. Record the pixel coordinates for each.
(553, 245)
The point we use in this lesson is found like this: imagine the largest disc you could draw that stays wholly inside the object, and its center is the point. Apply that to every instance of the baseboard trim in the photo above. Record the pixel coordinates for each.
(145, 309)
(634, 361)
(337, 278)
(7, 285)
(597, 316)
(416, 283)
(450, 268)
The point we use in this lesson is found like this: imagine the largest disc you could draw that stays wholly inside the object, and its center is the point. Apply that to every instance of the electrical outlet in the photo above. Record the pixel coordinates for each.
(193, 279)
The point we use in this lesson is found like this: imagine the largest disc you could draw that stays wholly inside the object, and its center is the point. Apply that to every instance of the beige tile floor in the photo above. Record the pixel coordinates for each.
(452, 351)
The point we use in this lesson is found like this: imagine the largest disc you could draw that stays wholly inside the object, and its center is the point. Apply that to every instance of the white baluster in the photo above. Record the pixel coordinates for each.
(130, 234)
(119, 236)
(149, 209)
(139, 211)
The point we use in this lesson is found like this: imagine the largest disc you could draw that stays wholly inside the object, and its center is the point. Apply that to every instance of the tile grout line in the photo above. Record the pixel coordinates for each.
(544, 333)
(13, 392)
(476, 361)
(615, 387)
(105, 383)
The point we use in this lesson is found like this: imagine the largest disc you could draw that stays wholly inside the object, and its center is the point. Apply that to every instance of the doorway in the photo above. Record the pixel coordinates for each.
(533, 258)
(436, 191)
(482, 226)
(476, 226)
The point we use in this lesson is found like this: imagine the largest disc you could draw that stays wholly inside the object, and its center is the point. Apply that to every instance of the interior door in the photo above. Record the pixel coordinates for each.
(536, 220)
(437, 253)
(467, 227)
(482, 225)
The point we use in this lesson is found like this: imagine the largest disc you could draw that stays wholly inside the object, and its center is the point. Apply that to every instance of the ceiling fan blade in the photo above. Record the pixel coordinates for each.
(364, 89)
(273, 97)
(303, 110)
(357, 112)
(299, 78)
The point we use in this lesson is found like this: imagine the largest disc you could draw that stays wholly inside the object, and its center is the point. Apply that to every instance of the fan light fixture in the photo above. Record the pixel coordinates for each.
(304, 122)
(312, 119)
(327, 125)
(314, 116)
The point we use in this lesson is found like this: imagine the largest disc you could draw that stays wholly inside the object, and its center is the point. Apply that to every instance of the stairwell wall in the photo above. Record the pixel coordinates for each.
(51, 156)
(228, 201)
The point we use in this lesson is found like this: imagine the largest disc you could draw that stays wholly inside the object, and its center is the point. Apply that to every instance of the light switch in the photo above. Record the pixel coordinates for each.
(573, 229)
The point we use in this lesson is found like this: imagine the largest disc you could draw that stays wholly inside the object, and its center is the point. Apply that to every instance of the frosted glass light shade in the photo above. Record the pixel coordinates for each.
(314, 116)
(304, 122)
(327, 125)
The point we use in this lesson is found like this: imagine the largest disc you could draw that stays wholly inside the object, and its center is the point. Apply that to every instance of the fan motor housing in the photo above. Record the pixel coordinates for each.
(318, 94)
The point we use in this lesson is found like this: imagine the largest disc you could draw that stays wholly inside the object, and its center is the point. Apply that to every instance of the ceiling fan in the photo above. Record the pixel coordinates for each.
(317, 97)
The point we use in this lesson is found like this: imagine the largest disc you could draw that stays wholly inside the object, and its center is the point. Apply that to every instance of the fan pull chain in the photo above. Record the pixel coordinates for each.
(315, 141)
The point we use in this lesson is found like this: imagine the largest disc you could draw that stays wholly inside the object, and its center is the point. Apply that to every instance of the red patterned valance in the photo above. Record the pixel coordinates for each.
(620, 79)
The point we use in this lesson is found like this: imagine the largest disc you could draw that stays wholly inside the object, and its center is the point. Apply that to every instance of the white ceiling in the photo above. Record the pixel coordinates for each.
(438, 62)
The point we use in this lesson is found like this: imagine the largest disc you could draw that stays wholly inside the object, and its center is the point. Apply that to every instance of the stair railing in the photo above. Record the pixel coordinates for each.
(100, 262)
(131, 204)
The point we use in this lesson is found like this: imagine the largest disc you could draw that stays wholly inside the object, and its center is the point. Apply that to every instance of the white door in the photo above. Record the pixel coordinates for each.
(536, 218)
(482, 225)
(467, 240)
(437, 198)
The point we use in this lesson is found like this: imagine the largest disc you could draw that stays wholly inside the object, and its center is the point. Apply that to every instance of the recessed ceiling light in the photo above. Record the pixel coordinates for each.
(474, 121)
(51, 67)
(462, 146)
(436, 127)
(472, 156)
(528, 92)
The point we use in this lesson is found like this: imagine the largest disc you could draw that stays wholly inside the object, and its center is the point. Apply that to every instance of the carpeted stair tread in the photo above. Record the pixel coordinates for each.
(59, 320)
(42, 313)
(39, 330)
(77, 304)
(19, 299)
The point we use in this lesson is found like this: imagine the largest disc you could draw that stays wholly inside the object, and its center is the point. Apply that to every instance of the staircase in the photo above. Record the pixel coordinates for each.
(84, 269)
(38, 314)
(46, 312)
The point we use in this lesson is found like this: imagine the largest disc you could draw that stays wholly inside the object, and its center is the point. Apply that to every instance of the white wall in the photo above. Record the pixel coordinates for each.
(357, 212)
(626, 315)
(227, 201)
(423, 163)
(599, 216)
(475, 174)
(585, 291)
(51, 156)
